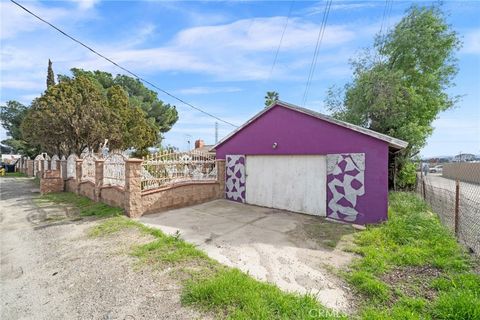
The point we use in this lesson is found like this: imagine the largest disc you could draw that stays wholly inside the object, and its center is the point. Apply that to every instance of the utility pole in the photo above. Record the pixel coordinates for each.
(216, 132)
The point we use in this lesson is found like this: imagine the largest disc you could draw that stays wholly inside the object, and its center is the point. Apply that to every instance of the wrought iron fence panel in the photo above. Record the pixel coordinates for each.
(88, 166)
(72, 166)
(167, 168)
(114, 169)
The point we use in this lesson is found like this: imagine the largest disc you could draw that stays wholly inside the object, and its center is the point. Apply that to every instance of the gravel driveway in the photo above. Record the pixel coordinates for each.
(51, 269)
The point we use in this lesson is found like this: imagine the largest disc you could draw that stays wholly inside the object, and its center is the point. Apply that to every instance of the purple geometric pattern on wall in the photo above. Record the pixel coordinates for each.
(235, 178)
(345, 181)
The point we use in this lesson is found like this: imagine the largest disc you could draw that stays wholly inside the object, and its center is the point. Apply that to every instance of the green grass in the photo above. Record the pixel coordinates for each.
(440, 285)
(14, 175)
(242, 297)
(85, 206)
(413, 238)
(209, 286)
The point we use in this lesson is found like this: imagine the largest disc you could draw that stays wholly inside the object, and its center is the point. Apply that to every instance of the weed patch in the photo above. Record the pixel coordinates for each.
(227, 292)
(238, 296)
(84, 205)
(14, 175)
(411, 267)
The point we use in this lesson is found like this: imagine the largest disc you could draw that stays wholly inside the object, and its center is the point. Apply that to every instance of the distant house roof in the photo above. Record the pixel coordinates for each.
(205, 148)
(392, 142)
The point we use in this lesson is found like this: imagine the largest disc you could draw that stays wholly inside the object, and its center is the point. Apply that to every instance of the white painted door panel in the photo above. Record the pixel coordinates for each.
(296, 183)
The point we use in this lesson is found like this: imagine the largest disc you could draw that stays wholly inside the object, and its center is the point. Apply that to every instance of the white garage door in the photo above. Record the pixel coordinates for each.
(295, 183)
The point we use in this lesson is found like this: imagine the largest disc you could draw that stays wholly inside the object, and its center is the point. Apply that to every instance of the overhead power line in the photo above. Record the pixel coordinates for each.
(321, 33)
(281, 38)
(122, 68)
(384, 27)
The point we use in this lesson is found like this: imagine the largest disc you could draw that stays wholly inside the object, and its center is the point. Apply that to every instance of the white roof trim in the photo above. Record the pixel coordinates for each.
(392, 142)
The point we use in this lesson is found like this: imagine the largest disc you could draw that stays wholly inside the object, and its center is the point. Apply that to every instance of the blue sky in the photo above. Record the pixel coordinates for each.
(218, 55)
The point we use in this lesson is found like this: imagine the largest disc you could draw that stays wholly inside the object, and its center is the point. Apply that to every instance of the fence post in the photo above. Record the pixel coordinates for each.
(63, 169)
(41, 168)
(98, 178)
(221, 176)
(78, 178)
(457, 205)
(30, 168)
(423, 190)
(133, 187)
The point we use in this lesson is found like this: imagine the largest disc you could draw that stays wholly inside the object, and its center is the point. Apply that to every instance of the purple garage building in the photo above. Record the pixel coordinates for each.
(292, 158)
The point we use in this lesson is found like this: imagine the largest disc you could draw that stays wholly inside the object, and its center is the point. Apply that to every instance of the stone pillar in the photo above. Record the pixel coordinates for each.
(51, 182)
(98, 178)
(78, 178)
(221, 177)
(133, 188)
(30, 168)
(63, 169)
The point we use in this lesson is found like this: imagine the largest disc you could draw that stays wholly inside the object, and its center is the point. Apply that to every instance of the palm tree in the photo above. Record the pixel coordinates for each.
(270, 98)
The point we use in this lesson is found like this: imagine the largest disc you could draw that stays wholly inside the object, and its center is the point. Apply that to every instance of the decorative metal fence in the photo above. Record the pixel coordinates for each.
(167, 168)
(88, 166)
(114, 169)
(72, 166)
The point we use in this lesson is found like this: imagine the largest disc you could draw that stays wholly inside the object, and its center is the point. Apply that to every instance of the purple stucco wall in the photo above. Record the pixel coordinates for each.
(301, 134)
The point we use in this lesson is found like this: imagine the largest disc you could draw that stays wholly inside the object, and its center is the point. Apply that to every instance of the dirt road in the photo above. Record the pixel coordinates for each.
(51, 269)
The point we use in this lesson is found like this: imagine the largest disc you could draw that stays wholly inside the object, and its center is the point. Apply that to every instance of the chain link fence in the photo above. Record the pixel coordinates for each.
(456, 200)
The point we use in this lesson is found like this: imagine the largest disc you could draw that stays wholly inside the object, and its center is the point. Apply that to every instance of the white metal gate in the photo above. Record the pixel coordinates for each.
(295, 183)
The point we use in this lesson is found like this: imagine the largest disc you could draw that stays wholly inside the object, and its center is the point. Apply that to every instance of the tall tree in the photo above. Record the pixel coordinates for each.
(270, 98)
(50, 75)
(11, 117)
(77, 113)
(163, 115)
(399, 87)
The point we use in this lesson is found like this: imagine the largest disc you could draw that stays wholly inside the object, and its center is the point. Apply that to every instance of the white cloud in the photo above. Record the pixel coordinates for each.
(15, 20)
(86, 4)
(319, 7)
(207, 90)
(241, 50)
(472, 42)
(21, 84)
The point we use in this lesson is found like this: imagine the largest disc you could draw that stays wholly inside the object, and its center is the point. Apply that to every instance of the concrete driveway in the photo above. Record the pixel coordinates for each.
(296, 252)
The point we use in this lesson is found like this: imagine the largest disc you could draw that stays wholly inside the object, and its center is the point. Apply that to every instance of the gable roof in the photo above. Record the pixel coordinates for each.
(392, 142)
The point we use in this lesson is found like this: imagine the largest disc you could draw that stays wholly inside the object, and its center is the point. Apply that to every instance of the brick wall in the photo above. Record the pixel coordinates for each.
(87, 189)
(51, 182)
(131, 198)
(71, 185)
(180, 196)
(113, 196)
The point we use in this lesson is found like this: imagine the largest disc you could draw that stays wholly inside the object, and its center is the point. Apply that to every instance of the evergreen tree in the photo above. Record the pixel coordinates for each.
(50, 75)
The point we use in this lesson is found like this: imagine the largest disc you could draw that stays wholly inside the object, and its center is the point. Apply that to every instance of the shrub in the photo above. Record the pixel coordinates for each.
(407, 176)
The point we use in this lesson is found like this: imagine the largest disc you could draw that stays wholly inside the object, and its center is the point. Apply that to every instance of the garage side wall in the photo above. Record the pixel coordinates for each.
(295, 133)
